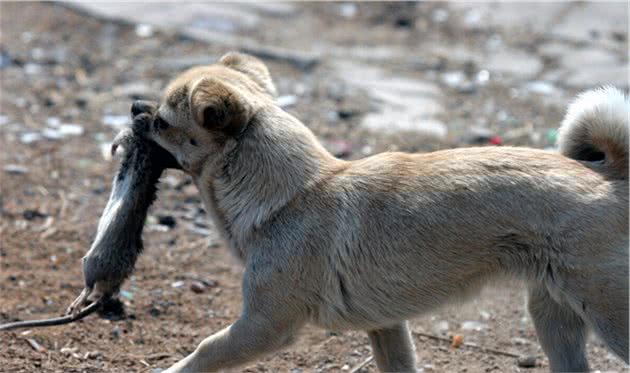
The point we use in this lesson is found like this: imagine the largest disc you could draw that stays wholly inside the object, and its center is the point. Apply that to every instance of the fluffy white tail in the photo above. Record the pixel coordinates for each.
(595, 129)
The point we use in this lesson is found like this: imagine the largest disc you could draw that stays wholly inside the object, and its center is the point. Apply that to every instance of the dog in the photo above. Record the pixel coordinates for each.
(371, 243)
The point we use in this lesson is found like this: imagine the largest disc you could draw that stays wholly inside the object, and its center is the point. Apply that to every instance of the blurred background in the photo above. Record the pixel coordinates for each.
(365, 77)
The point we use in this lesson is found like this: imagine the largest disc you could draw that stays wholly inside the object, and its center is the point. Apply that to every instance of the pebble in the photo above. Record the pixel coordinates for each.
(62, 131)
(440, 15)
(473, 325)
(15, 169)
(526, 361)
(540, 87)
(32, 69)
(347, 10)
(521, 341)
(30, 137)
(115, 332)
(441, 327)
(5, 59)
(453, 79)
(197, 287)
(126, 294)
(177, 284)
(167, 220)
(92, 355)
(144, 30)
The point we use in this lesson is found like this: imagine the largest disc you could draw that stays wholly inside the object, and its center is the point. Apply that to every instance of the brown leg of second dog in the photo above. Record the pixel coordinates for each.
(393, 349)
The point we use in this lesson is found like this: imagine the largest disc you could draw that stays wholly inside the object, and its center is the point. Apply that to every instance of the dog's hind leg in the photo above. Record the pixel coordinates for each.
(393, 348)
(561, 331)
(602, 300)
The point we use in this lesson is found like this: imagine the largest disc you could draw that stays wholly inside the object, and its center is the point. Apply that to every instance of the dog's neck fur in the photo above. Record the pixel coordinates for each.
(259, 174)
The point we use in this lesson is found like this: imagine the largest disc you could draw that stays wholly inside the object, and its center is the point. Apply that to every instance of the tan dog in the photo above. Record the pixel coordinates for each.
(371, 243)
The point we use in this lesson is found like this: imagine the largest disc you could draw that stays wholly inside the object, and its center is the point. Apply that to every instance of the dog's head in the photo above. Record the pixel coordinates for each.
(206, 107)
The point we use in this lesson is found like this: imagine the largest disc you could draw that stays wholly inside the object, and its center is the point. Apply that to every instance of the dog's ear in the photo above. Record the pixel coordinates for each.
(251, 66)
(217, 106)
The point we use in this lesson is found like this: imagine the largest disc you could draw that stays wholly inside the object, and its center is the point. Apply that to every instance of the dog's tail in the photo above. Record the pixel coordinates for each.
(595, 129)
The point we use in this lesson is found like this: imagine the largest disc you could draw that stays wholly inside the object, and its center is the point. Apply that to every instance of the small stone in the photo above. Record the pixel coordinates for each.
(485, 315)
(155, 312)
(453, 79)
(115, 333)
(167, 220)
(540, 87)
(441, 327)
(197, 287)
(5, 59)
(440, 15)
(126, 294)
(93, 355)
(482, 77)
(526, 361)
(473, 325)
(15, 169)
(144, 30)
(521, 341)
(177, 284)
(30, 137)
(347, 10)
(33, 214)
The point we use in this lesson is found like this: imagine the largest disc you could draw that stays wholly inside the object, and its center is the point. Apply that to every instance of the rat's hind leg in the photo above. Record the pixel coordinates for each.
(393, 348)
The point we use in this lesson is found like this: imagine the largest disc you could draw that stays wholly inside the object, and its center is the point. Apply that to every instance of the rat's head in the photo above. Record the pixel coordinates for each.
(206, 108)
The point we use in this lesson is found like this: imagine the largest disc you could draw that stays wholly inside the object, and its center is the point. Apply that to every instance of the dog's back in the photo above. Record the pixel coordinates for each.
(408, 232)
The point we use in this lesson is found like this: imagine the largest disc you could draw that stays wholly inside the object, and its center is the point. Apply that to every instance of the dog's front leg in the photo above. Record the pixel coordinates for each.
(271, 316)
(248, 338)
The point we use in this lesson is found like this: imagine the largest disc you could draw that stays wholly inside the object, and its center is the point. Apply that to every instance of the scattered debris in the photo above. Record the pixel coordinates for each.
(144, 30)
(457, 341)
(197, 287)
(15, 169)
(526, 361)
(177, 284)
(34, 345)
(167, 220)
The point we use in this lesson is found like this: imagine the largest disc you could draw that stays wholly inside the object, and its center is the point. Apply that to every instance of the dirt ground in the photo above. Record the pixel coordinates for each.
(61, 68)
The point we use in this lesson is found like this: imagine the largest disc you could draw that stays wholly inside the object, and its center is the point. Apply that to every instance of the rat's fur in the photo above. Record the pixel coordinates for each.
(371, 243)
(118, 240)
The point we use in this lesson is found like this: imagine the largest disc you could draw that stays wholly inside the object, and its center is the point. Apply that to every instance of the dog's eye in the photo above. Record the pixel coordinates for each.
(193, 142)
(160, 123)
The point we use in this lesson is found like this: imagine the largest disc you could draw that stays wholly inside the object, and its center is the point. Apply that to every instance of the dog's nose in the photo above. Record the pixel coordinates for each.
(141, 106)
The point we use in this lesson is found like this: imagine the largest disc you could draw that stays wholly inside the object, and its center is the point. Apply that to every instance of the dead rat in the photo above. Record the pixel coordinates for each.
(118, 241)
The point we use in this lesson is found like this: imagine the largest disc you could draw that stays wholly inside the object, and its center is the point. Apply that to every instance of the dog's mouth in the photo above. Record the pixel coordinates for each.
(141, 130)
